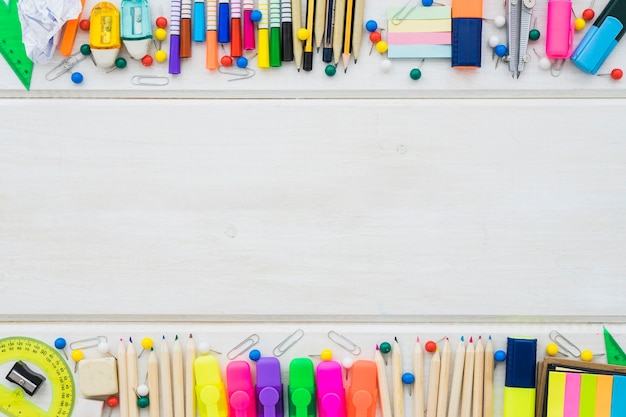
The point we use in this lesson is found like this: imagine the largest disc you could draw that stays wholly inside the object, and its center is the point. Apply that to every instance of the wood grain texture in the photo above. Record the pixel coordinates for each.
(313, 208)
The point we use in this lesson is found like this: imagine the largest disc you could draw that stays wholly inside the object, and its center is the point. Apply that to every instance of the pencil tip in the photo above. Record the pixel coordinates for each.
(462, 338)
(163, 337)
(121, 340)
(377, 348)
(489, 337)
(190, 336)
(396, 339)
(471, 340)
(130, 339)
(176, 338)
(355, 60)
(418, 339)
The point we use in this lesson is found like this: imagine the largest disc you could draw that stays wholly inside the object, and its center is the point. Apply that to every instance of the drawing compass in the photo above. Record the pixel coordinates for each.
(519, 15)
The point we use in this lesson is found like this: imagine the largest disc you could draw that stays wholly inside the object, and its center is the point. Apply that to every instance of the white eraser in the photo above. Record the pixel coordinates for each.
(98, 377)
(87, 408)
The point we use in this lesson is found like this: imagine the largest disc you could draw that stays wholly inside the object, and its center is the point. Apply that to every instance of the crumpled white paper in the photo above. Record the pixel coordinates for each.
(42, 21)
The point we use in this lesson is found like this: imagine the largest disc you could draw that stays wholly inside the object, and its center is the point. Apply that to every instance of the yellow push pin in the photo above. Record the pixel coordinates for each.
(302, 34)
(146, 344)
(77, 356)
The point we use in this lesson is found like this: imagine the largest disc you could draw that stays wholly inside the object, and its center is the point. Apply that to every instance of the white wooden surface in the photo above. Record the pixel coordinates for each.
(313, 209)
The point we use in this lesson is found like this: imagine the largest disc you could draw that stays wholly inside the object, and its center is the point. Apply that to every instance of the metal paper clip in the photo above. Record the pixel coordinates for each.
(66, 65)
(396, 20)
(88, 343)
(249, 73)
(564, 344)
(244, 346)
(288, 342)
(150, 80)
(344, 342)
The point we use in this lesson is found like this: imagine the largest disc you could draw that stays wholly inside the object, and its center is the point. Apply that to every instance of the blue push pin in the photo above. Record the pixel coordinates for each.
(256, 16)
(77, 77)
(427, 3)
(371, 25)
(499, 356)
(408, 379)
(254, 355)
(60, 344)
(500, 50)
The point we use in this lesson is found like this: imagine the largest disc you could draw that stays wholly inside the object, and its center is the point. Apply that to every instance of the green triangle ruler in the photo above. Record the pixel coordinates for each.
(11, 45)
(614, 353)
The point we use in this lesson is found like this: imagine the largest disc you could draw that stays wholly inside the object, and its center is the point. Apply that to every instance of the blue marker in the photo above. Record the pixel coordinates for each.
(601, 38)
(223, 22)
(199, 21)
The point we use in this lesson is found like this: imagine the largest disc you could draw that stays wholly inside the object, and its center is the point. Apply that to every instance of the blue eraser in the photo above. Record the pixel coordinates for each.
(466, 41)
(521, 363)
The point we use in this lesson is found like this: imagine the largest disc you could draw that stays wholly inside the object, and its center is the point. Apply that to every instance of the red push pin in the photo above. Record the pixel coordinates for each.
(375, 37)
(112, 402)
(161, 22)
(588, 14)
(84, 24)
(616, 74)
(226, 61)
(147, 61)
(431, 346)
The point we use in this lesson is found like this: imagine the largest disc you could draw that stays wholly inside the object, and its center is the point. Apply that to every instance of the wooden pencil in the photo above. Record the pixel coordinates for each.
(457, 380)
(347, 34)
(488, 381)
(320, 20)
(178, 379)
(296, 24)
(396, 379)
(444, 379)
(479, 369)
(338, 29)
(357, 31)
(122, 377)
(383, 386)
(468, 380)
(166, 380)
(153, 384)
(418, 387)
(433, 385)
(131, 375)
(190, 382)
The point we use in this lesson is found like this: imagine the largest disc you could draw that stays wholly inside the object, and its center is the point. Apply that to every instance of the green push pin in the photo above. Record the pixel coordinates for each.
(143, 402)
(330, 70)
(385, 348)
(534, 34)
(415, 74)
(120, 63)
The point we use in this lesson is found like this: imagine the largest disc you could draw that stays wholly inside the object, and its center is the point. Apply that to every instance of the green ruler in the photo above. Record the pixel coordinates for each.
(614, 353)
(11, 45)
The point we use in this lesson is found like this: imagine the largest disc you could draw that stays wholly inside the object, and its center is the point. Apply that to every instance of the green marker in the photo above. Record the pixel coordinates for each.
(301, 388)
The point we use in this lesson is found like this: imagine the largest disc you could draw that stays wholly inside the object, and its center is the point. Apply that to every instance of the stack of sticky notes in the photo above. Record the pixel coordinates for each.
(580, 389)
(419, 32)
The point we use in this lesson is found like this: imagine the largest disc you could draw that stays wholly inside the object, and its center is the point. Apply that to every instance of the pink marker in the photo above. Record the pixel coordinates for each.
(241, 399)
(331, 397)
(560, 31)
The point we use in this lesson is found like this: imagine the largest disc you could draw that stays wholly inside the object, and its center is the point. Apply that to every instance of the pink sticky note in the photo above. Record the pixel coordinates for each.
(571, 402)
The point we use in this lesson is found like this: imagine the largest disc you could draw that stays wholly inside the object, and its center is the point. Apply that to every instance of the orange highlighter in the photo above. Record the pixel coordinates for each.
(69, 34)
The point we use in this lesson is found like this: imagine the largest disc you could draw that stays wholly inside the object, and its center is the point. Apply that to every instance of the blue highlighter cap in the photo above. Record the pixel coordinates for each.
(521, 363)
(466, 41)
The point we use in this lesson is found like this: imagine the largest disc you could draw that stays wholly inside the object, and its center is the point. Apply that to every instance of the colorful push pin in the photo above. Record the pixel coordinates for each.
(382, 46)
(499, 356)
(160, 55)
(616, 74)
(146, 343)
(347, 362)
(161, 22)
(242, 62)
(142, 390)
(375, 37)
(256, 16)
(430, 346)
(302, 34)
(544, 62)
(330, 70)
(371, 25)
(103, 347)
(415, 74)
(326, 354)
(160, 34)
(226, 61)
(146, 61)
(579, 24)
(85, 24)
(112, 402)
(498, 21)
(500, 51)
(77, 356)
(385, 65)
(427, 3)
(254, 355)
(60, 343)
(408, 379)
(204, 348)
(120, 63)
(534, 34)
(552, 349)
(588, 14)
(385, 348)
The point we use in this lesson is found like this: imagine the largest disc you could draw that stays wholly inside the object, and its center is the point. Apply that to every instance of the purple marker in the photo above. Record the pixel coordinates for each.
(175, 37)
(269, 388)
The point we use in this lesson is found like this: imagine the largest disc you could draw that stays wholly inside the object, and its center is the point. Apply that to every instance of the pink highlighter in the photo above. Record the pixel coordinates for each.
(331, 395)
(560, 31)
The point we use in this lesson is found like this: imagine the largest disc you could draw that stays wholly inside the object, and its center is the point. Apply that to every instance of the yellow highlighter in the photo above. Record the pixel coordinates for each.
(210, 390)
(520, 382)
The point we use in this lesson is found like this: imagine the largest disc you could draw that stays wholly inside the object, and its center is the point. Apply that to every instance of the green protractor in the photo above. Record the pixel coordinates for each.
(11, 46)
(614, 353)
(32, 352)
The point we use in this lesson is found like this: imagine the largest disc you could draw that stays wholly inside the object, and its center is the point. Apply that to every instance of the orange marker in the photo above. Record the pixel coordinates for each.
(211, 35)
(71, 26)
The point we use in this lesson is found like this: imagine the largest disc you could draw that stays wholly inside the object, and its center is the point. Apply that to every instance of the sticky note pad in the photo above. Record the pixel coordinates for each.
(97, 377)
(604, 394)
(588, 384)
(419, 32)
(556, 394)
(571, 402)
(618, 402)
